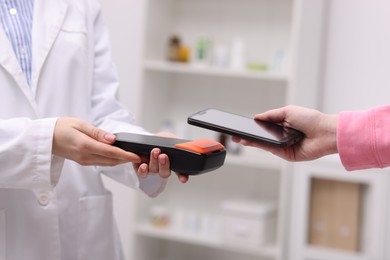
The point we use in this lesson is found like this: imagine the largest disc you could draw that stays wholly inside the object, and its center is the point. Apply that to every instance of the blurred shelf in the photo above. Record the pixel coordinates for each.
(145, 229)
(320, 253)
(256, 158)
(189, 68)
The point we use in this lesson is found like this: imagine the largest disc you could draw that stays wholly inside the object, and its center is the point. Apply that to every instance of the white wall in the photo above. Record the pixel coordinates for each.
(357, 58)
(124, 19)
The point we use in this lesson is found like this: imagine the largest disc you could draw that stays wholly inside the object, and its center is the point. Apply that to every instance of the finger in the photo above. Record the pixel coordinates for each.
(144, 158)
(136, 166)
(115, 152)
(153, 162)
(245, 142)
(166, 134)
(241, 141)
(97, 160)
(96, 133)
(183, 178)
(236, 139)
(105, 150)
(119, 154)
(164, 170)
(275, 115)
(143, 170)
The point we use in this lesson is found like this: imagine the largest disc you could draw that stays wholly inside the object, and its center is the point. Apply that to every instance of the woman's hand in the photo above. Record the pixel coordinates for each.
(320, 133)
(79, 141)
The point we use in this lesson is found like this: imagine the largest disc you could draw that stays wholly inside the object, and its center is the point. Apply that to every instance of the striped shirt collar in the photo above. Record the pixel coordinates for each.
(17, 17)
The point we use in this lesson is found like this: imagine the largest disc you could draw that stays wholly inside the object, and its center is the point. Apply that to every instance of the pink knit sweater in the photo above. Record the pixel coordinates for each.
(363, 138)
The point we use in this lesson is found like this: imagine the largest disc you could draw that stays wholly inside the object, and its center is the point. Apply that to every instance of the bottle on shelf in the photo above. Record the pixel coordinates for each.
(203, 49)
(238, 52)
(173, 48)
(177, 51)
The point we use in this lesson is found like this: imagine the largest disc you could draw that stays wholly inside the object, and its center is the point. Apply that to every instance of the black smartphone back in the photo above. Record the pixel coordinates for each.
(244, 127)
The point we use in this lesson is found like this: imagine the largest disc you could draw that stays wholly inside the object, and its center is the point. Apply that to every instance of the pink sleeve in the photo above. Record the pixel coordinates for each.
(363, 138)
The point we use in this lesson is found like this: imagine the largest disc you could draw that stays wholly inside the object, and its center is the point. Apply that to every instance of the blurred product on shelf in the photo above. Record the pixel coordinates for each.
(177, 51)
(248, 222)
(220, 56)
(279, 61)
(258, 67)
(203, 49)
(238, 54)
(173, 48)
(184, 53)
(159, 216)
(194, 222)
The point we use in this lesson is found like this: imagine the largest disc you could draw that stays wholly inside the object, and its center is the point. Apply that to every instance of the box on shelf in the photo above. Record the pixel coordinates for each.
(248, 222)
(335, 214)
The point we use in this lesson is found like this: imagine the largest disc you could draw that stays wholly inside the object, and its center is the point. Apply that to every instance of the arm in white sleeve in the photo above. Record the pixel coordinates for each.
(26, 154)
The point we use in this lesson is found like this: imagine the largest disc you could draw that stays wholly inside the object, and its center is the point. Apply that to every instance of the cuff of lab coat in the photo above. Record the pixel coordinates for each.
(47, 169)
(153, 185)
(55, 170)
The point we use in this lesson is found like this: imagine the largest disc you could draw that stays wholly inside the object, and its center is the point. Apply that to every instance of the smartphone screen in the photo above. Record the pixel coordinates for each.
(245, 127)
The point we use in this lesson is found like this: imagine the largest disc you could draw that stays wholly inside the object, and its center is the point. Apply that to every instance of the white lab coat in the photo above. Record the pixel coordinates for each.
(50, 208)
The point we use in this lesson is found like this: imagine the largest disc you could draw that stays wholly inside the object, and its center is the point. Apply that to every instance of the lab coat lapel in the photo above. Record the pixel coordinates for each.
(11, 64)
(48, 19)
(9, 61)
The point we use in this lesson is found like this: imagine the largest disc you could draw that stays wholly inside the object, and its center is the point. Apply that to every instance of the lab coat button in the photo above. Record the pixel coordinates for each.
(13, 11)
(43, 199)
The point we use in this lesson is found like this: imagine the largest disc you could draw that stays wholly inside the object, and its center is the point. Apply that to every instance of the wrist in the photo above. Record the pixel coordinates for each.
(331, 133)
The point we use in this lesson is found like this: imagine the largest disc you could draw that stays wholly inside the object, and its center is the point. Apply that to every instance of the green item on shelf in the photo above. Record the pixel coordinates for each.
(257, 67)
(202, 49)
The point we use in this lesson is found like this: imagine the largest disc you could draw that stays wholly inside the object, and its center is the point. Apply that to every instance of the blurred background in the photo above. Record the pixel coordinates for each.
(176, 57)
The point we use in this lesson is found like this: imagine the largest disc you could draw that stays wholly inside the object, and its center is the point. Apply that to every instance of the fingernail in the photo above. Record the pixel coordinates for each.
(183, 179)
(143, 170)
(109, 137)
(156, 153)
(162, 160)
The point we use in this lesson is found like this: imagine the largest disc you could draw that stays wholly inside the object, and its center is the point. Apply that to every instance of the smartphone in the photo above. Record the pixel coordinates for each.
(245, 127)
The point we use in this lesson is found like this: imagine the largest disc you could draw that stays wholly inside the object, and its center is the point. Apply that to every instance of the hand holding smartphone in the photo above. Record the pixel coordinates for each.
(246, 128)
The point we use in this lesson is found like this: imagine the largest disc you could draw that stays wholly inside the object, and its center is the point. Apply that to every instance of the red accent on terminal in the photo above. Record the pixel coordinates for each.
(202, 146)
